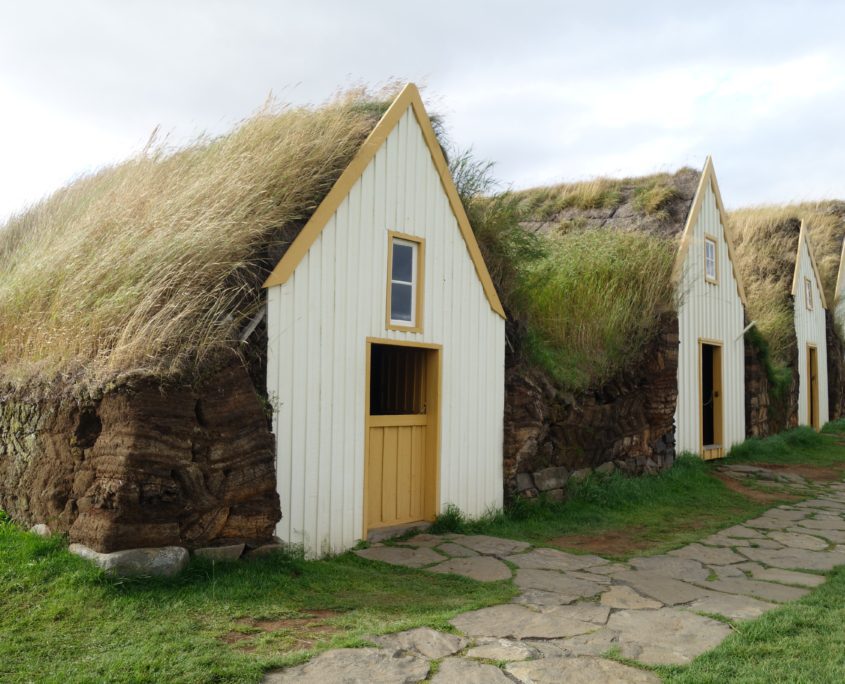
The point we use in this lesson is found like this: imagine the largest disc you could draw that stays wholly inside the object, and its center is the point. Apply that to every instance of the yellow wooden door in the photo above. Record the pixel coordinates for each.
(396, 470)
(402, 427)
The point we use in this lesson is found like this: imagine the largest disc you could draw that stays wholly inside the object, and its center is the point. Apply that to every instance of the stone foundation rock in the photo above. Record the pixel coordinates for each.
(143, 465)
(767, 412)
(553, 436)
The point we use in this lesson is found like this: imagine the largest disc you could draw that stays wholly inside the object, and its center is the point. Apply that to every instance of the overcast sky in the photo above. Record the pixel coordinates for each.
(550, 91)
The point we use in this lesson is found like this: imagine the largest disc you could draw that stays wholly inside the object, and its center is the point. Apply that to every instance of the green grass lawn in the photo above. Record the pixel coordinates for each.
(632, 515)
(63, 621)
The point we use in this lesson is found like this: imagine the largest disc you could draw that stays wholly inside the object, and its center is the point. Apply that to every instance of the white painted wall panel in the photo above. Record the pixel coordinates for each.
(810, 329)
(710, 312)
(318, 323)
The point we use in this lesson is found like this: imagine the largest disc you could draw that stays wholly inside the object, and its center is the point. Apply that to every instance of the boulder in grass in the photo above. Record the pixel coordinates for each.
(165, 561)
(41, 530)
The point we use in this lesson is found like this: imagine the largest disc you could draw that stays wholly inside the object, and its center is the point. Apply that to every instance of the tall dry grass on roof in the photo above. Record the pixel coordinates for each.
(155, 265)
(766, 241)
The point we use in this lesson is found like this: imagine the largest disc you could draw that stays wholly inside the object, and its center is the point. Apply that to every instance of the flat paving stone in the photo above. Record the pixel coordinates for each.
(731, 606)
(765, 522)
(463, 671)
(539, 598)
(354, 665)
(502, 650)
(621, 596)
(726, 571)
(491, 546)
(454, 550)
(401, 555)
(671, 566)
(822, 524)
(765, 544)
(795, 559)
(595, 643)
(664, 589)
(424, 539)
(609, 569)
(802, 579)
(799, 541)
(586, 612)
(767, 591)
(584, 670)
(667, 636)
(707, 554)
(740, 532)
(552, 559)
(518, 622)
(551, 580)
(722, 540)
(822, 503)
(589, 577)
(834, 536)
(423, 641)
(479, 568)
(788, 514)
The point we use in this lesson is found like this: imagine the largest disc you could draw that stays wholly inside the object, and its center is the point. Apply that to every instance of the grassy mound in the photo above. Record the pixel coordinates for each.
(155, 265)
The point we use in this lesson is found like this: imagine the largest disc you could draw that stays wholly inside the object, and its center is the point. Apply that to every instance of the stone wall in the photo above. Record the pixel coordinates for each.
(769, 410)
(835, 370)
(552, 435)
(143, 465)
(756, 393)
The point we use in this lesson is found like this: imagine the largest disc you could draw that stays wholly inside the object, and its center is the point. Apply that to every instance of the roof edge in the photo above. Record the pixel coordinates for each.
(804, 238)
(408, 97)
(708, 175)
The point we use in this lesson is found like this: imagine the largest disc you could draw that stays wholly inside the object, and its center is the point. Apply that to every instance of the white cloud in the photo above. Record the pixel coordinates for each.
(549, 90)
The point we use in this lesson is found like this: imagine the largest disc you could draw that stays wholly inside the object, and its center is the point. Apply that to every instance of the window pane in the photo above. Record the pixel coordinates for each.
(400, 302)
(403, 261)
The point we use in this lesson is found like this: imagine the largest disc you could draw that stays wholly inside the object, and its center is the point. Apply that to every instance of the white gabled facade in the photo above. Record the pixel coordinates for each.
(330, 300)
(810, 330)
(708, 312)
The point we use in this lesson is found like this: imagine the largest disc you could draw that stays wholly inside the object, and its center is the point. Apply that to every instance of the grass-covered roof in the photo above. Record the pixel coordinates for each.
(155, 265)
(766, 241)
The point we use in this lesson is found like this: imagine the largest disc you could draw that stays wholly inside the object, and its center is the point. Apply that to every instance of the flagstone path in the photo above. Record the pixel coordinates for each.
(573, 609)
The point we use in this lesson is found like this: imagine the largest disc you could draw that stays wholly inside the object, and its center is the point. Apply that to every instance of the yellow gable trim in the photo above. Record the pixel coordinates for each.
(708, 177)
(804, 238)
(409, 97)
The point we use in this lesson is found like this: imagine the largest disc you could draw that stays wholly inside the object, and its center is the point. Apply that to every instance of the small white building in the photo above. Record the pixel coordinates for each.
(386, 346)
(710, 414)
(811, 335)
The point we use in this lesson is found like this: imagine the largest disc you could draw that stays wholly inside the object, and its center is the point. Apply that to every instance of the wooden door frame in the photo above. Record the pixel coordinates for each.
(718, 419)
(813, 417)
(434, 380)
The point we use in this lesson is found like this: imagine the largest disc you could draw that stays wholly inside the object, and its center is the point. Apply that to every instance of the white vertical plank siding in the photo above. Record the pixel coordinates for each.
(810, 329)
(318, 323)
(710, 312)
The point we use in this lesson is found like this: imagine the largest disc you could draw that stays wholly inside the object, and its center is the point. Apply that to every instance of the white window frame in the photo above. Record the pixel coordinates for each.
(417, 265)
(808, 294)
(708, 241)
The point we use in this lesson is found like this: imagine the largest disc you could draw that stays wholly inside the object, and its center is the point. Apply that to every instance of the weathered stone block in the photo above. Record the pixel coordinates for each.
(550, 478)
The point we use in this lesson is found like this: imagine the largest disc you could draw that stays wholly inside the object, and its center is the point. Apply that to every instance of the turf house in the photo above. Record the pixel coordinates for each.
(790, 257)
(628, 329)
(154, 392)
(390, 402)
